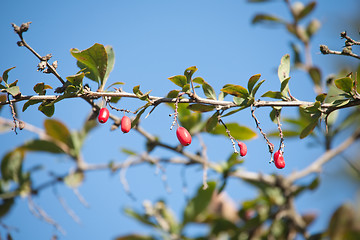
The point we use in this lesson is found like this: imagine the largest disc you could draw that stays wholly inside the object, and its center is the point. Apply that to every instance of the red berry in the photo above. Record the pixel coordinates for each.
(125, 124)
(279, 159)
(103, 115)
(243, 148)
(184, 136)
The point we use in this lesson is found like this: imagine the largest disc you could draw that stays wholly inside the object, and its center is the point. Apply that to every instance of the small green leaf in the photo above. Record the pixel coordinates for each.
(135, 237)
(284, 71)
(198, 107)
(344, 84)
(74, 179)
(76, 79)
(315, 75)
(209, 91)
(14, 91)
(58, 131)
(237, 131)
(128, 152)
(189, 72)
(40, 88)
(110, 61)
(95, 59)
(179, 80)
(313, 26)
(46, 109)
(140, 95)
(321, 97)
(309, 128)
(296, 53)
(271, 94)
(141, 218)
(212, 122)
(285, 87)
(198, 204)
(137, 118)
(307, 10)
(265, 18)
(236, 90)
(29, 103)
(115, 84)
(256, 88)
(5, 75)
(252, 81)
(14, 83)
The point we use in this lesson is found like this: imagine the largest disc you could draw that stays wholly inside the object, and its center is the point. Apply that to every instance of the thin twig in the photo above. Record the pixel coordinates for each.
(233, 140)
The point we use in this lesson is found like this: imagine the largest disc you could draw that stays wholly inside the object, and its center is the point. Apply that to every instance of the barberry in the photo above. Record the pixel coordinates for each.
(184, 136)
(103, 115)
(279, 159)
(125, 124)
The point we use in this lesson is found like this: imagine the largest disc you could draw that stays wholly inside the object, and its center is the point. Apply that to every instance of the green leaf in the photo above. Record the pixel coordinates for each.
(321, 97)
(95, 59)
(212, 122)
(41, 146)
(252, 81)
(198, 107)
(110, 61)
(114, 84)
(140, 95)
(141, 218)
(340, 222)
(271, 94)
(236, 90)
(309, 128)
(198, 204)
(135, 237)
(40, 88)
(11, 165)
(88, 72)
(29, 103)
(58, 131)
(14, 91)
(13, 84)
(179, 80)
(76, 79)
(284, 70)
(313, 26)
(344, 84)
(209, 91)
(46, 109)
(296, 53)
(315, 75)
(237, 131)
(189, 72)
(5, 75)
(265, 18)
(74, 179)
(285, 87)
(256, 88)
(307, 10)
(137, 118)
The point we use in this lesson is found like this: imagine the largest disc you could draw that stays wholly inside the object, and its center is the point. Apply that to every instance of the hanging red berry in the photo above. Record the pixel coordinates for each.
(103, 115)
(243, 148)
(184, 136)
(279, 159)
(125, 124)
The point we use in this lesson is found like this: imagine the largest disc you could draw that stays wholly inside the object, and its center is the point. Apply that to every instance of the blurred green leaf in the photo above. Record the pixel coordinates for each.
(266, 18)
(74, 179)
(340, 222)
(42, 146)
(11, 165)
(135, 121)
(313, 26)
(315, 75)
(29, 103)
(141, 218)
(198, 204)
(296, 53)
(321, 97)
(307, 10)
(212, 122)
(344, 84)
(309, 128)
(235, 90)
(198, 107)
(135, 237)
(58, 131)
(179, 80)
(237, 131)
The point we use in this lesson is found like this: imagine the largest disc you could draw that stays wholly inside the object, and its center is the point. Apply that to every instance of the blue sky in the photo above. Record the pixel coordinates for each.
(154, 40)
